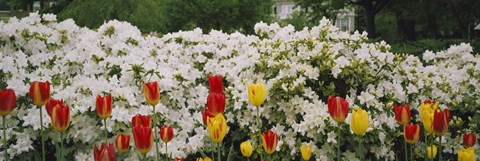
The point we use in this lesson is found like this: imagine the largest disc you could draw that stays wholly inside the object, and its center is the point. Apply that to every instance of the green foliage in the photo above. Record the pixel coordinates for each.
(419, 47)
(147, 15)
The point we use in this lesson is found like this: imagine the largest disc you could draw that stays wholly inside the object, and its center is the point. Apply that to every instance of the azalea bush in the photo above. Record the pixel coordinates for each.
(300, 69)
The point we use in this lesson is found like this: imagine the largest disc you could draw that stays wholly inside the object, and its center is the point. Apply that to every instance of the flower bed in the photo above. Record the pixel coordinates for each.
(299, 68)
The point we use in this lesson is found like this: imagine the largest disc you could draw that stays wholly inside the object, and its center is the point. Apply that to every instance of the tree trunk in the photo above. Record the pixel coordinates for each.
(400, 26)
(370, 22)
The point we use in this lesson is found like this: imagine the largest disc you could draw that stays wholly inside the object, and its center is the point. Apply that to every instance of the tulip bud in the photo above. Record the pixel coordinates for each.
(359, 122)
(269, 140)
(217, 128)
(411, 133)
(432, 151)
(402, 114)
(466, 154)
(105, 153)
(257, 93)
(306, 151)
(141, 121)
(440, 122)
(215, 83)
(337, 108)
(123, 143)
(216, 103)
(152, 93)
(60, 118)
(204, 159)
(51, 103)
(143, 138)
(40, 92)
(205, 116)
(246, 148)
(179, 159)
(8, 101)
(166, 133)
(469, 139)
(104, 106)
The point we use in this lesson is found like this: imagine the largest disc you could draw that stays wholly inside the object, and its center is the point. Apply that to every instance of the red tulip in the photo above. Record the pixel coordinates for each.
(105, 153)
(152, 93)
(337, 108)
(179, 159)
(215, 83)
(205, 116)
(440, 122)
(141, 121)
(60, 117)
(40, 92)
(8, 101)
(166, 133)
(411, 133)
(402, 114)
(122, 143)
(469, 139)
(51, 103)
(269, 140)
(143, 138)
(104, 106)
(216, 103)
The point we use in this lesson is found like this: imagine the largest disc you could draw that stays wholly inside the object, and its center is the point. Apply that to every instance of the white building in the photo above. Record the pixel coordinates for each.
(345, 20)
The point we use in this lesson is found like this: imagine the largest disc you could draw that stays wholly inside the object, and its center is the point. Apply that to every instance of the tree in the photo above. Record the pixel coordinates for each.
(371, 7)
(147, 15)
(315, 10)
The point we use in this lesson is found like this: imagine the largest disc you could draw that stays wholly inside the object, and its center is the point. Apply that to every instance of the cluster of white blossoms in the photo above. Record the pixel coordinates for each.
(299, 68)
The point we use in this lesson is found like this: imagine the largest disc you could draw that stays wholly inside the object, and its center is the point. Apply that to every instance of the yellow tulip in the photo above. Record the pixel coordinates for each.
(204, 159)
(359, 122)
(427, 109)
(257, 93)
(306, 151)
(467, 154)
(432, 151)
(217, 127)
(246, 148)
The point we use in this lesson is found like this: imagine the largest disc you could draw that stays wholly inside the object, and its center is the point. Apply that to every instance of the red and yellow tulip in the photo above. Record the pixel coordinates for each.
(143, 138)
(61, 117)
(8, 101)
(152, 93)
(257, 93)
(440, 122)
(337, 108)
(141, 121)
(217, 127)
(269, 141)
(166, 133)
(206, 115)
(122, 142)
(427, 110)
(402, 114)
(179, 159)
(216, 83)
(40, 92)
(51, 103)
(216, 103)
(411, 133)
(469, 139)
(104, 106)
(105, 153)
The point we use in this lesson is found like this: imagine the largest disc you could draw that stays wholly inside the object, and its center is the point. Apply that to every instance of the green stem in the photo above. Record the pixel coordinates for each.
(145, 156)
(155, 130)
(5, 140)
(405, 147)
(106, 133)
(259, 132)
(41, 133)
(426, 146)
(440, 151)
(412, 152)
(338, 142)
(62, 157)
(360, 150)
(219, 151)
(166, 152)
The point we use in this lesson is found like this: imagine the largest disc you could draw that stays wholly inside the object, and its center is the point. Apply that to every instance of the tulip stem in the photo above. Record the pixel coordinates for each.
(259, 132)
(338, 142)
(61, 147)
(405, 148)
(41, 133)
(106, 133)
(155, 130)
(219, 151)
(412, 152)
(440, 151)
(166, 151)
(5, 139)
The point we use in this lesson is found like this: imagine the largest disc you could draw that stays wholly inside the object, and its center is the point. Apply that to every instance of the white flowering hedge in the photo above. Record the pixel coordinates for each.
(299, 68)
